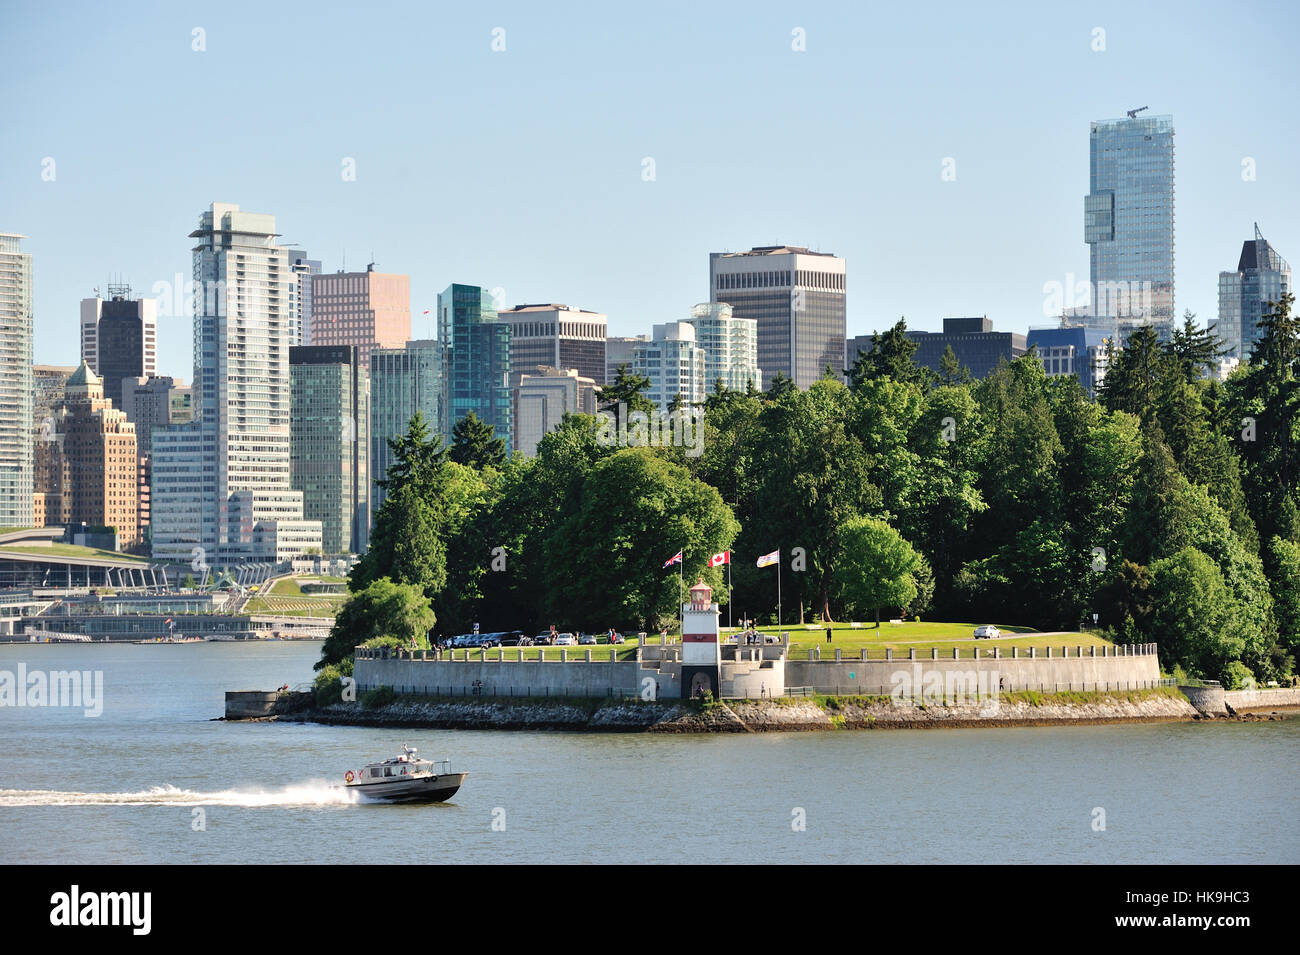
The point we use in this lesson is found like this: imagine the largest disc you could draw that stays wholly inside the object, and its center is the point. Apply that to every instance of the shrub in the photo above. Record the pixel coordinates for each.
(379, 696)
(1235, 675)
(328, 685)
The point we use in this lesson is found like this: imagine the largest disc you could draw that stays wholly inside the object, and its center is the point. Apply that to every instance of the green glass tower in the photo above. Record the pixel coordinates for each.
(475, 359)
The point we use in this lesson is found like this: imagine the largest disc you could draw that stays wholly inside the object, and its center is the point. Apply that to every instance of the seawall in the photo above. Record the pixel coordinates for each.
(611, 715)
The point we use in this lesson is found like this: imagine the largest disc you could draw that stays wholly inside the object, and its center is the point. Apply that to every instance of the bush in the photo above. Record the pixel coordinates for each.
(379, 696)
(328, 685)
(1236, 676)
(379, 643)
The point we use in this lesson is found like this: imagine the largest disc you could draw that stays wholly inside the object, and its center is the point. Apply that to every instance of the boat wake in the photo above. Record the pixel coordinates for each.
(312, 793)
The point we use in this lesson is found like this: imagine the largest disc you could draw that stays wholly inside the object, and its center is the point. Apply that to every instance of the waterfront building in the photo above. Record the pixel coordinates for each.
(221, 486)
(330, 443)
(119, 338)
(367, 309)
(730, 346)
(674, 363)
(977, 346)
(1129, 223)
(17, 473)
(542, 399)
(402, 381)
(798, 299)
(89, 468)
(1246, 295)
(475, 360)
(556, 336)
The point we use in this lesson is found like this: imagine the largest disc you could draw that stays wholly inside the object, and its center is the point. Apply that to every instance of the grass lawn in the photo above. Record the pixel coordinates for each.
(900, 638)
(287, 587)
(71, 550)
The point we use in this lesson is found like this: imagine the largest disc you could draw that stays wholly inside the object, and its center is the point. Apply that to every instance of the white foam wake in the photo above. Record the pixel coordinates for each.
(311, 793)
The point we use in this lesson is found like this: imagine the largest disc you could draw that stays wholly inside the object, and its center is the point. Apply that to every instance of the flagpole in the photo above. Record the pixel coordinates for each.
(681, 585)
(730, 622)
(778, 593)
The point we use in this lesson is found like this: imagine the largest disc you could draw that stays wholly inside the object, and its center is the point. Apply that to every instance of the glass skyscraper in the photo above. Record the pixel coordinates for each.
(1262, 277)
(402, 382)
(475, 360)
(1129, 223)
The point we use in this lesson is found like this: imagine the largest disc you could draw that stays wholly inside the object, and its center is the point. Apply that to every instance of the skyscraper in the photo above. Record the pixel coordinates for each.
(798, 299)
(16, 461)
(402, 381)
(543, 397)
(368, 309)
(730, 346)
(222, 486)
(90, 473)
(556, 336)
(1262, 277)
(1129, 223)
(330, 441)
(119, 338)
(475, 359)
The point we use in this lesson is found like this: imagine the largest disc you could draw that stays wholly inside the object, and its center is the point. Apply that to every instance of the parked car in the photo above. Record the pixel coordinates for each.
(542, 639)
(513, 638)
(987, 631)
(587, 639)
(490, 639)
(566, 640)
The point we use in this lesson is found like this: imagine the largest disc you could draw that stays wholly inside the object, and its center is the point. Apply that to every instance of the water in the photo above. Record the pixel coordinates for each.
(125, 787)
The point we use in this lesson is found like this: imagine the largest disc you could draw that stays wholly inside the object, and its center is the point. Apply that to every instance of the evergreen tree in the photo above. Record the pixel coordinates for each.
(474, 443)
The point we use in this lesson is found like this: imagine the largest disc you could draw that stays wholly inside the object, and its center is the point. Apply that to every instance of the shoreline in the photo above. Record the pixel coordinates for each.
(739, 716)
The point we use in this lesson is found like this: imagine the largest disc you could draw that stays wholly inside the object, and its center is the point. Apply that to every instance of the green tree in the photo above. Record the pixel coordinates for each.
(636, 509)
(382, 609)
(1194, 350)
(1195, 619)
(952, 371)
(890, 356)
(876, 567)
(626, 391)
(474, 443)
(781, 384)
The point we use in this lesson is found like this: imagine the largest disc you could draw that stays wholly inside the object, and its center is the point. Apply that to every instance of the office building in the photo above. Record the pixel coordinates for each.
(368, 309)
(330, 442)
(89, 468)
(221, 486)
(730, 347)
(402, 381)
(1079, 351)
(977, 346)
(475, 360)
(798, 299)
(1245, 296)
(674, 363)
(1129, 223)
(119, 338)
(156, 402)
(556, 336)
(16, 390)
(542, 399)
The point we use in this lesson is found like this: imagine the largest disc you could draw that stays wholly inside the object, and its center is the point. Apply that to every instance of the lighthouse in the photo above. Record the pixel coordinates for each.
(701, 655)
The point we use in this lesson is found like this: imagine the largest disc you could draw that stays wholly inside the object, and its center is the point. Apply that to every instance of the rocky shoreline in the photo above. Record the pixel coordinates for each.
(747, 716)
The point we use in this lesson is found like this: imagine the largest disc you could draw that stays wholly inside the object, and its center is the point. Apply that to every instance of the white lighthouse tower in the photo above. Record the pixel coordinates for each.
(701, 654)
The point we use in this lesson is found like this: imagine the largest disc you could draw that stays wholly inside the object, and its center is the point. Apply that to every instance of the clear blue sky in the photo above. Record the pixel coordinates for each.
(523, 169)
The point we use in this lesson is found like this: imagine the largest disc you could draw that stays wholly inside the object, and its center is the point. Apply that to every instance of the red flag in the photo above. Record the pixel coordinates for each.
(717, 560)
(675, 559)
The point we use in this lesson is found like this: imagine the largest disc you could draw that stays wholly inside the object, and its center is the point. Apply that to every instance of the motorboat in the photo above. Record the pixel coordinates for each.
(405, 778)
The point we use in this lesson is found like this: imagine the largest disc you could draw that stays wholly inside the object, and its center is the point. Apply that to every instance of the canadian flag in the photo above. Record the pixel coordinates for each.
(717, 560)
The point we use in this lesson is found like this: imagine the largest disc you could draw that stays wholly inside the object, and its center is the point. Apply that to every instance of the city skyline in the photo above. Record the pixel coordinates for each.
(995, 235)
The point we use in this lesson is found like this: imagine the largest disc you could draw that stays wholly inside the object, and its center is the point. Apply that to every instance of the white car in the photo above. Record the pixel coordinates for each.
(987, 631)
(566, 640)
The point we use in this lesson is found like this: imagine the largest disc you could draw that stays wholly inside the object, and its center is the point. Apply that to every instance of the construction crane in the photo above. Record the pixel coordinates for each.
(1133, 113)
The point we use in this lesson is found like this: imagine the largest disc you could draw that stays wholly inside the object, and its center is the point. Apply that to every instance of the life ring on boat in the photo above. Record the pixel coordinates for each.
(348, 776)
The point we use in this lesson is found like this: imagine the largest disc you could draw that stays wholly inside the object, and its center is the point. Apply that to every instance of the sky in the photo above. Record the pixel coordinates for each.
(527, 167)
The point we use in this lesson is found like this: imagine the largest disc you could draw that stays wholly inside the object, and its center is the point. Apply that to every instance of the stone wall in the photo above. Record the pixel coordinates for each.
(1266, 698)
